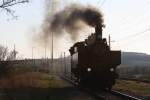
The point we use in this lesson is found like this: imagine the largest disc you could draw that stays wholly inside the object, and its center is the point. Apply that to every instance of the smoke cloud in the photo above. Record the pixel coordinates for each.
(71, 20)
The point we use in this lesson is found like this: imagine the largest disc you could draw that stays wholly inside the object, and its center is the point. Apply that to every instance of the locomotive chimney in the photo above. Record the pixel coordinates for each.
(98, 31)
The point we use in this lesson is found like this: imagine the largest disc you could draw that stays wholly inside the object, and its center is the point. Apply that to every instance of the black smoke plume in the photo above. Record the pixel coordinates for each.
(67, 20)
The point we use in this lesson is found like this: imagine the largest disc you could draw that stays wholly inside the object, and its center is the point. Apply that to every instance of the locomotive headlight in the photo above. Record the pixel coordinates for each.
(89, 69)
(111, 69)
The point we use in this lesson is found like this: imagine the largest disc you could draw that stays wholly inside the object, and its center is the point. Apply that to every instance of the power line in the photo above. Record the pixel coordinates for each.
(128, 42)
(133, 35)
(98, 1)
(101, 3)
(134, 22)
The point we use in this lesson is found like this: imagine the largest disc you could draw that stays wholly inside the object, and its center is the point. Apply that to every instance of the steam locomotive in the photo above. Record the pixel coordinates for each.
(93, 64)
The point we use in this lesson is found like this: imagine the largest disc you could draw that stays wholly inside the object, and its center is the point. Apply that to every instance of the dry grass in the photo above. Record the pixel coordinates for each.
(30, 80)
(132, 87)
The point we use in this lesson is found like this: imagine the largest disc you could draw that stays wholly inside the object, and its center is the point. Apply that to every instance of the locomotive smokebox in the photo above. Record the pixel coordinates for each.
(98, 31)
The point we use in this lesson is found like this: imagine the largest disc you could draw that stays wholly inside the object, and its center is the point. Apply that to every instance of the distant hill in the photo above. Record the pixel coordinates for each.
(134, 58)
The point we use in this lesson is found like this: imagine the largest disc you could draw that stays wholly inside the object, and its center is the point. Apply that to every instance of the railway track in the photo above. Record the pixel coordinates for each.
(127, 97)
(103, 95)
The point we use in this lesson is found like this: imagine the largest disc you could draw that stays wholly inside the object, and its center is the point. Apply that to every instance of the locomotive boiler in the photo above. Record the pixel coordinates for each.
(93, 63)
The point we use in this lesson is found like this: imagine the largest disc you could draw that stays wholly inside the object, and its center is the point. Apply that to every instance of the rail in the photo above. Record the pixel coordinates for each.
(103, 95)
(127, 97)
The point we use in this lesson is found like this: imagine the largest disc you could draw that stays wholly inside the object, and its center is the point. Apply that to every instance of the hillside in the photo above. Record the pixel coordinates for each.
(133, 58)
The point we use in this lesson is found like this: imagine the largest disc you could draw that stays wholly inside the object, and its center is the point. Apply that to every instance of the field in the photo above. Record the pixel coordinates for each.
(30, 80)
(133, 87)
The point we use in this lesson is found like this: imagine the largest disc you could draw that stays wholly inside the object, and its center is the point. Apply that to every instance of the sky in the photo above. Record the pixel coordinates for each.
(127, 22)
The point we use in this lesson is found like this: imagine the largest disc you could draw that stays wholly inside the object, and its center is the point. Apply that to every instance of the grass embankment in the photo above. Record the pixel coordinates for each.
(133, 87)
(30, 80)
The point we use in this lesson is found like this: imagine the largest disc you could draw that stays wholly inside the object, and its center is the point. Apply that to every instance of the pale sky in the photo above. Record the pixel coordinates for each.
(127, 21)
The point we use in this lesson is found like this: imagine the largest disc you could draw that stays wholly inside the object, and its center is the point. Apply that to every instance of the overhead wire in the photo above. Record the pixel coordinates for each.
(129, 39)
(100, 3)
(140, 20)
(133, 36)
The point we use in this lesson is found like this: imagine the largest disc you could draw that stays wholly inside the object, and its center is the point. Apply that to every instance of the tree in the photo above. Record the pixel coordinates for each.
(3, 53)
(6, 55)
(5, 4)
(12, 55)
(5, 58)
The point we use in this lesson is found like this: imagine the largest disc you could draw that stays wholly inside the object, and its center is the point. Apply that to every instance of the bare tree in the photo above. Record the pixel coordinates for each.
(6, 4)
(3, 53)
(6, 55)
(11, 55)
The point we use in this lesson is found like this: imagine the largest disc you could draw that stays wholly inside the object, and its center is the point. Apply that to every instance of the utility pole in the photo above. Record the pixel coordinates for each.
(32, 53)
(65, 63)
(52, 54)
(109, 42)
(45, 53)
(14, 52)
(33, 61)
(61, 62)
(54, 7)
